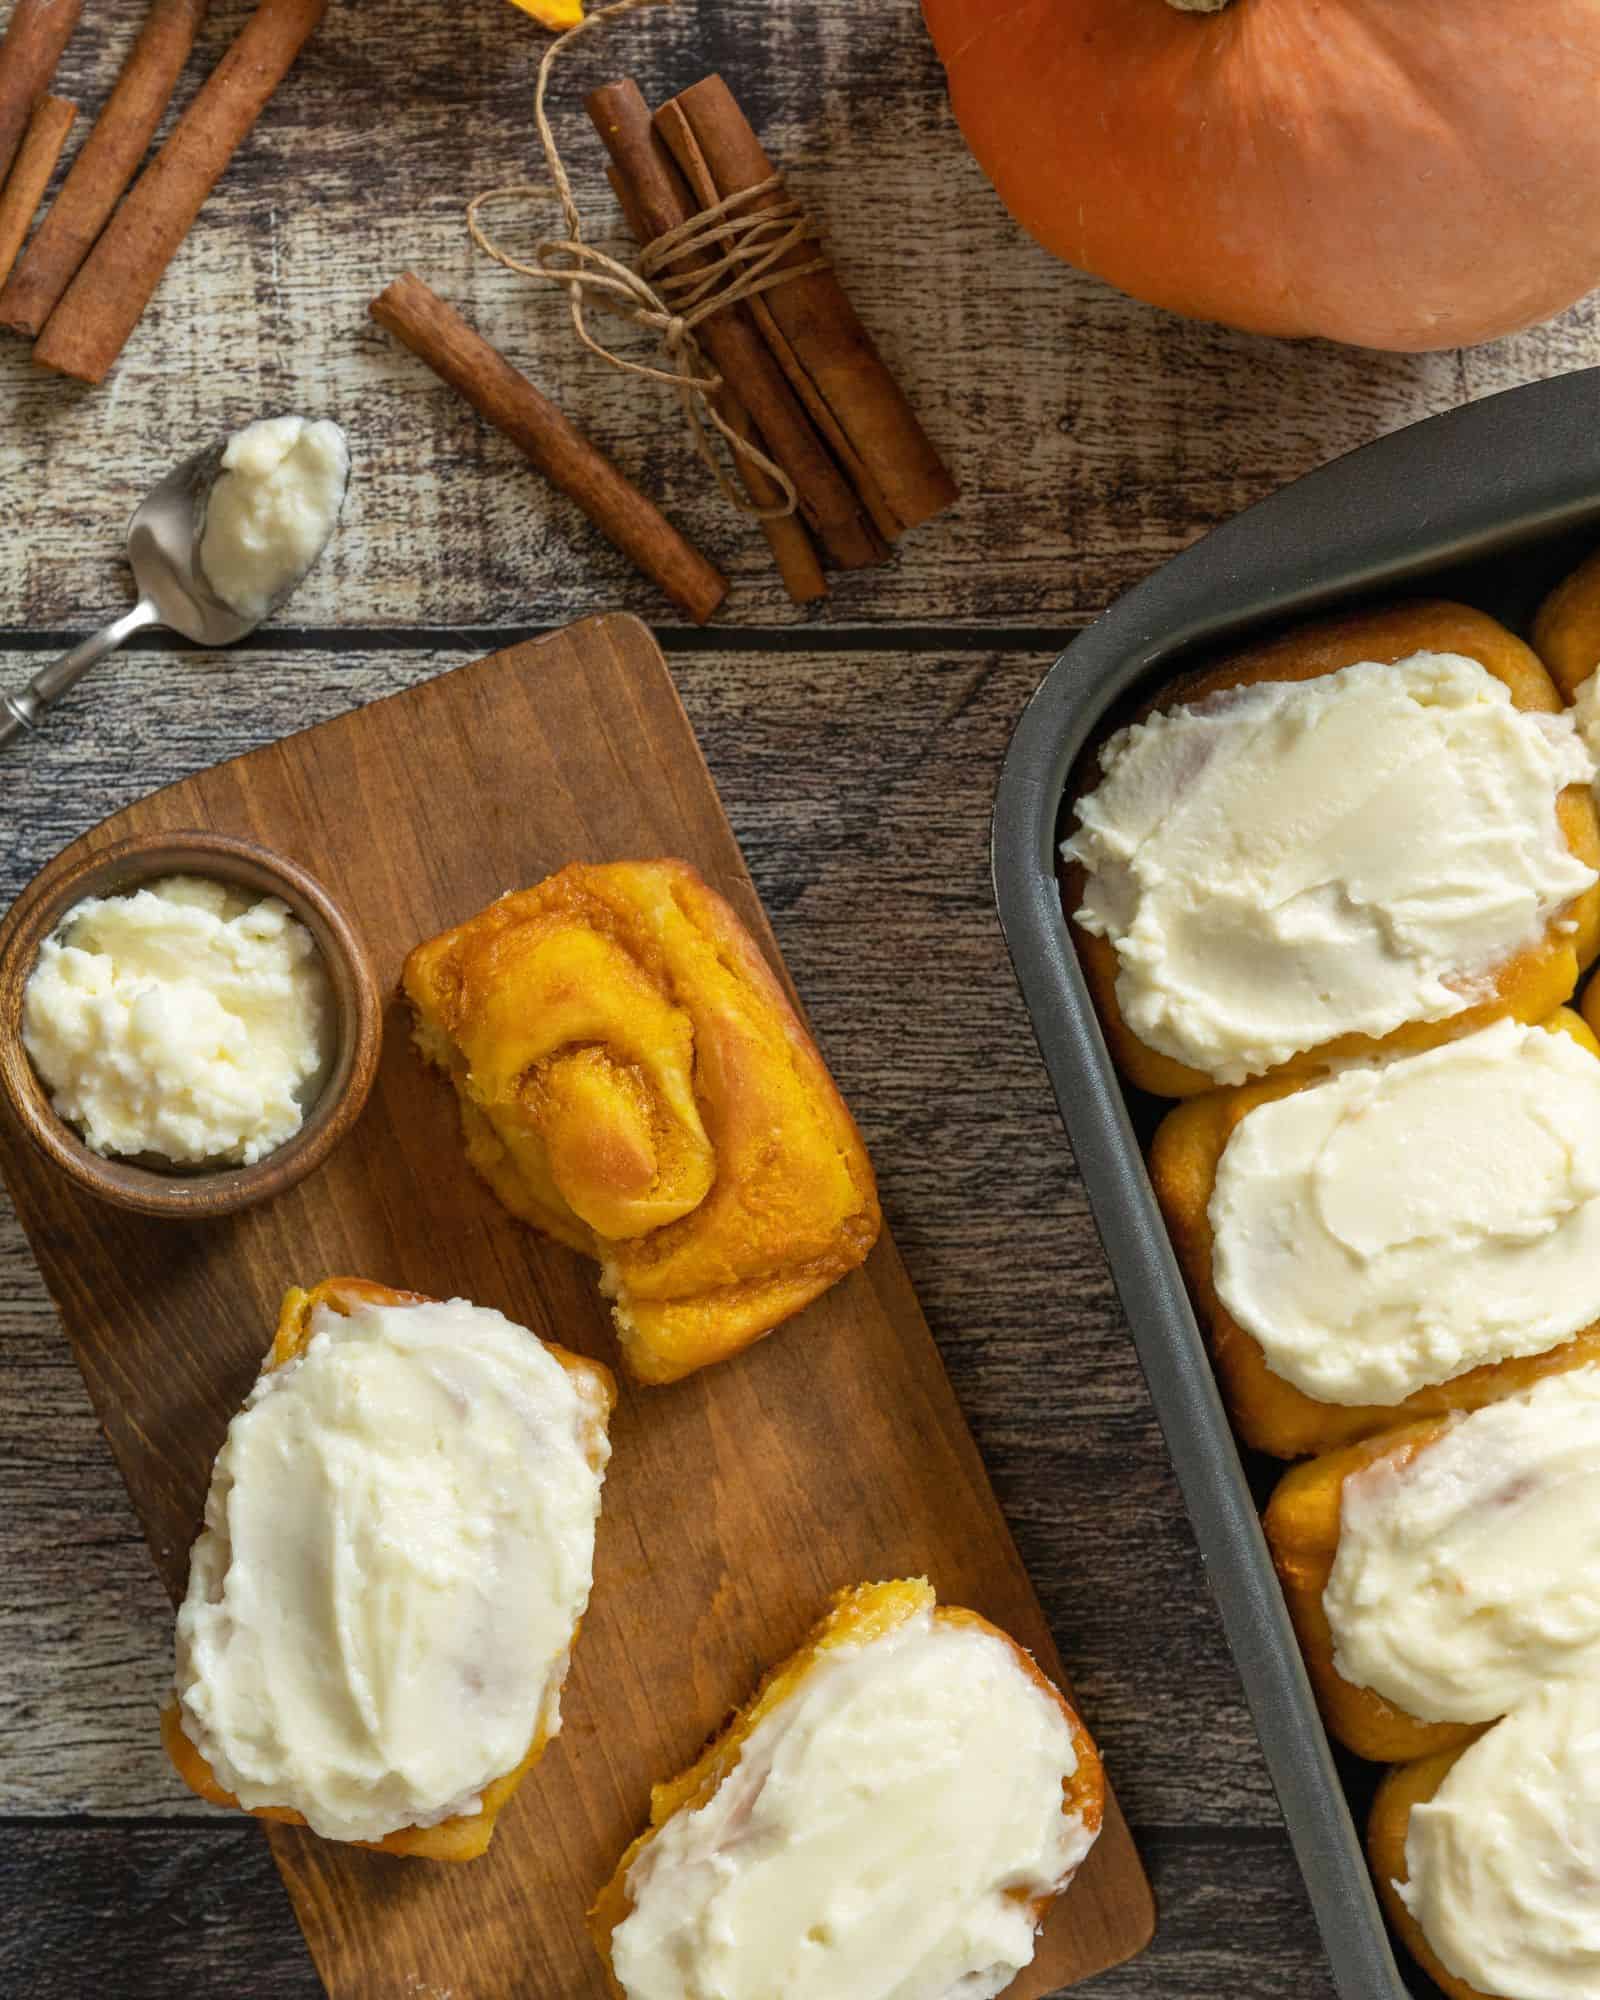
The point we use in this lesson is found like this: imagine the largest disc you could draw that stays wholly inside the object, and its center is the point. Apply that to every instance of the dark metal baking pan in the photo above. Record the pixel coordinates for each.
(1490, 504)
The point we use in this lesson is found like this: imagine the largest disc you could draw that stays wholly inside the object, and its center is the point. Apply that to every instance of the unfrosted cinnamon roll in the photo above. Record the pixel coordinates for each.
(634, 1083)
(1566, 630)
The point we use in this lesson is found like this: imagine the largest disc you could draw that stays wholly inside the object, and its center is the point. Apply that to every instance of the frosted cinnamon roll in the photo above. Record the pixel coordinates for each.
(892, 1813)
(396, 1557)
(1468, 1578)
(1442, 1575)
(1369, 835)
(1487, 1857)
(1394, 1240)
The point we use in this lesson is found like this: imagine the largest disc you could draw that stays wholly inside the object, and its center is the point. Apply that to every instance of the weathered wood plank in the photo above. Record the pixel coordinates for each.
(860, 788)
(533, 755)
(1093, 436)
(148, 1912)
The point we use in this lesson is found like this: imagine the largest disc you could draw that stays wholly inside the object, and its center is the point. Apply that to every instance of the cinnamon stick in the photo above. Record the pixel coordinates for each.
(108, 161)
(30, 174)
(685, 149)
(103, 303)
(435, 332)
(661, 202)
(35, 36)
(792, 550)
(786, 533)
(818, 330)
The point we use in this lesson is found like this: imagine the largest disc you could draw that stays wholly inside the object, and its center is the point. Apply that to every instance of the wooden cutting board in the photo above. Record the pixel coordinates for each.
(736, 1502)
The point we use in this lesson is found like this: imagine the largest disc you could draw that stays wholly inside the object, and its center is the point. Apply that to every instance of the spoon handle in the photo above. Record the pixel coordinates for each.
(19, 712)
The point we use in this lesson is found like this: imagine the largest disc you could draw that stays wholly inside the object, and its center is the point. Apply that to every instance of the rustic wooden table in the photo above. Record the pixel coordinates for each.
(856, 750)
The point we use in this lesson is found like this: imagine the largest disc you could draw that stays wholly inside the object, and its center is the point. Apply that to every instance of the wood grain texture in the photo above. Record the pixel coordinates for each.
(737, 1502)
(504, 397)
(101, 308)
(105, 164)
(1091, 436)
(159, 1911)
(859, 785)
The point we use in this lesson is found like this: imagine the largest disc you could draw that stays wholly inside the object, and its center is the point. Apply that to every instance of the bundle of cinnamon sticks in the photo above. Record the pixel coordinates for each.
(93, 266)
(801, 375)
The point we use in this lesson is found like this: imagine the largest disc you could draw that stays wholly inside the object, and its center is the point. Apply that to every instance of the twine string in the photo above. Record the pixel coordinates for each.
(730, 253)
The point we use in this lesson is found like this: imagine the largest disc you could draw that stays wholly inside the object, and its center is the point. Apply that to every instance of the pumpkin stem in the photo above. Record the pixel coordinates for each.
(1198, 6)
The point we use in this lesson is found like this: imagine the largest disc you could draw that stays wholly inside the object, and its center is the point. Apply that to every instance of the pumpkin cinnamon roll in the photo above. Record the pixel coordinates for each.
(1363, 838)
(1441, 1575)
(1394, 1241)
(1566, 628)
(1486, 1855)
(634, 1083)
(893, 1811)
(396, 1557)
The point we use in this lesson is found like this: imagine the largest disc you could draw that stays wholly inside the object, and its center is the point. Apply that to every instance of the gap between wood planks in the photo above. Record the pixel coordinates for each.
(229, 1827)
(1045, 641)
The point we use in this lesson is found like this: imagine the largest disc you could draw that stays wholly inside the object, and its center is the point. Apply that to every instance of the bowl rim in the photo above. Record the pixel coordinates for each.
(190, 1195)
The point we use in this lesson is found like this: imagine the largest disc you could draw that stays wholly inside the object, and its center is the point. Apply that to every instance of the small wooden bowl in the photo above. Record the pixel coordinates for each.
(191, 1194)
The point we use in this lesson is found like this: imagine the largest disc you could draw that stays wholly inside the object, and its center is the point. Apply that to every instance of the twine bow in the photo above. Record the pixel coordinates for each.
(730, 253)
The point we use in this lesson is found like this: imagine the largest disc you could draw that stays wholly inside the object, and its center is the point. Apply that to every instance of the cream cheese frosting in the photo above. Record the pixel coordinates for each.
(397, 1549)
(189, 1019)
(881, 1838)
(1503, 1860)
(1467, 1577)
(1285, 863)
(1586, 716)
(1400, 1223)
(272, 510)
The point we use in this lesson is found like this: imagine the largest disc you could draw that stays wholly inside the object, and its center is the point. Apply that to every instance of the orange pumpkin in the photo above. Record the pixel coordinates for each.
(557, 14)
(1406, 174)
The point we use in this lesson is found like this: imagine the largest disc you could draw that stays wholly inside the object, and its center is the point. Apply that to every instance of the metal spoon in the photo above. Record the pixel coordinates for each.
(164, 548)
